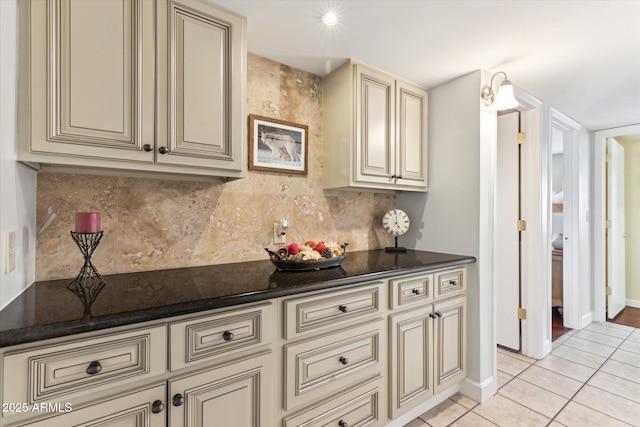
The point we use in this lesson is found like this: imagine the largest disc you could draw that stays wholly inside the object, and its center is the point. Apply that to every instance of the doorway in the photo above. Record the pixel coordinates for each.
(607, 266)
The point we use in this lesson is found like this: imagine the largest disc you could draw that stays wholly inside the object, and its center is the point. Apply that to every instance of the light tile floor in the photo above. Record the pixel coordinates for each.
(591, 378)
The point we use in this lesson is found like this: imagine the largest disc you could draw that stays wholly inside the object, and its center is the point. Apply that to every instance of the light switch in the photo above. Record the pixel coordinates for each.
(10, 262)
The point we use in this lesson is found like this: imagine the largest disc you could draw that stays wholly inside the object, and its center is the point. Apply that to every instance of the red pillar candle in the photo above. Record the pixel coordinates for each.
(87, 222)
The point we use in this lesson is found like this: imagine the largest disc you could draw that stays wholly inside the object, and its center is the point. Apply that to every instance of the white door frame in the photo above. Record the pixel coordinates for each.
(536, 210)
(572, 317)
(599, 216)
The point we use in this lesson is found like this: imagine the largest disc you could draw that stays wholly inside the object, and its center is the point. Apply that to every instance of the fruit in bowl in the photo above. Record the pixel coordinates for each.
(310, 256)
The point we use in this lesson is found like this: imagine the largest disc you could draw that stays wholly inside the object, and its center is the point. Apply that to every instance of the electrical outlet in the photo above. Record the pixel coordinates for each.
(278, 238)
(10, 250)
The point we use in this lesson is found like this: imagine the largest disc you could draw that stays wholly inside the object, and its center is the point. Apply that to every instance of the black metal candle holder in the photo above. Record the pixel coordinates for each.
(88, 284)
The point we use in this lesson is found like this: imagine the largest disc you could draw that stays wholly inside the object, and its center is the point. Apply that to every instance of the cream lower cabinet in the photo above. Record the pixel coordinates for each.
(237, 394)
(375, 131)
(133, 86)
(427, 352)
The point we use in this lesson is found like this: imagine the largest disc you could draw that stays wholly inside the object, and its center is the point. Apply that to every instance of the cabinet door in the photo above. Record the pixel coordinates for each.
(449, 336)
(92, 78)
(233, 395)
(201, 71)
(375, 126)
(143, 408)
(411, 135)
(410, 368)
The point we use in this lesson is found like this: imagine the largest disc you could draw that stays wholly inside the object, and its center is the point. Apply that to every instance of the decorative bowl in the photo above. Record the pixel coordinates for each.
(279, 259)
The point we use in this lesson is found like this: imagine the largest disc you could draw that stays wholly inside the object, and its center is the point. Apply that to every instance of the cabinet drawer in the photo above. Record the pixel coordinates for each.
(450, 282)
(358, 407)
(64, 370)
(331, 309)
(134, 409)
(204, 338)
(408, 290)
(320, 366)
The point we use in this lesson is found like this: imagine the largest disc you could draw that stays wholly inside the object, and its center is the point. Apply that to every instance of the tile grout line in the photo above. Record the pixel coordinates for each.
(585, 383)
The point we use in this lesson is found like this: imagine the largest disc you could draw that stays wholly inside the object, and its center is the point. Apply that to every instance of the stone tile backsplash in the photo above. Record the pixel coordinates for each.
(160, 223)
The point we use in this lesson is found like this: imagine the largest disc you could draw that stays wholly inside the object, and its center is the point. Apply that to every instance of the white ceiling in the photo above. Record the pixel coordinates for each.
(581, 57)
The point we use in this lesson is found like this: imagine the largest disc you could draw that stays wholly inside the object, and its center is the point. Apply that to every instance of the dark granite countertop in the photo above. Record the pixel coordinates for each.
(48, 309)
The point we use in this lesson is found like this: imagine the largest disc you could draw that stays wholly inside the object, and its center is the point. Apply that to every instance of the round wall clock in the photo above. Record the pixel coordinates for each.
(395, 222)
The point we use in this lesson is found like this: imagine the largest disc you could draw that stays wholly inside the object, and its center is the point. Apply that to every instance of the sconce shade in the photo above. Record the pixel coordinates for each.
(503, 99)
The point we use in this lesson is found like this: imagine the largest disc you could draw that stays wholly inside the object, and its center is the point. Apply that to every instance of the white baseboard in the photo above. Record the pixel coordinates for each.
(632, 303)
(586, 319)
(480, 392)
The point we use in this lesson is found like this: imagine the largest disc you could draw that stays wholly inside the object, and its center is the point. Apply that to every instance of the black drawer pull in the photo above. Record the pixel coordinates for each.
(178, 400)
(343, 308)
(94, 368)
(453, 282)
(157, 407)
(438, 314)
(342, 423)
(416, 291)
(228, 335)
(344, 360)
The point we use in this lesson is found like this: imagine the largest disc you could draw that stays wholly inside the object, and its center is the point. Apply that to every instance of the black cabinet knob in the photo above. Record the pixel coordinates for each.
(227, 335)
(344, 360)
(157, 407)
(343, 423)
(343, 308)
(94, 368)
(433, 316)
(163, 150)
(453, 282)
(416, 291)
(438, 314)
(178, 400)
(147, 147)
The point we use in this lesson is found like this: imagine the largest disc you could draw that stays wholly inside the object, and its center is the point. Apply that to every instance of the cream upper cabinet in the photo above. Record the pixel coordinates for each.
(375, 131)
(132, 85)
(201, 82)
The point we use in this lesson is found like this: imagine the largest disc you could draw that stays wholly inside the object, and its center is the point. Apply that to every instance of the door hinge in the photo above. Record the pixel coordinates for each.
(609, 290)
(522, 225)
(608, 158)
(522, 313)
(607, 224)
(522, 137)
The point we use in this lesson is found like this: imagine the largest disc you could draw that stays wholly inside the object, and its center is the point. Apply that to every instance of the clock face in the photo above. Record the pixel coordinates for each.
(395, 222)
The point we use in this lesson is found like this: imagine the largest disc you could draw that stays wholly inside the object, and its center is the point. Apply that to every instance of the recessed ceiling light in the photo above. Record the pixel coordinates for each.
(330, 18)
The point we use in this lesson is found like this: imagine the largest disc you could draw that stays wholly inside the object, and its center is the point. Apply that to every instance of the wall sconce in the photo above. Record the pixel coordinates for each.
(503, 99)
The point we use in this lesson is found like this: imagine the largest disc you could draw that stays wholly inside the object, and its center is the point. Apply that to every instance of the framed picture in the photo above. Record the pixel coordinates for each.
(277, 146)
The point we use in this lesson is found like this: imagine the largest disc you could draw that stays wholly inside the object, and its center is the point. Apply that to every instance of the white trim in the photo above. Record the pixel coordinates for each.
(571, 262)
(536, 329)
(480, 392)
(587, 318)
(599, 216)
(632, 303)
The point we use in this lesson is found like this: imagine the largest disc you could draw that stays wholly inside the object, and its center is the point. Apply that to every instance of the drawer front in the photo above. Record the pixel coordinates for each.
(134, 409)
(54, 372)
(331, 309)
(408, 290)
(450, 282)
(321, 366)
(207, 337)
(358, 407)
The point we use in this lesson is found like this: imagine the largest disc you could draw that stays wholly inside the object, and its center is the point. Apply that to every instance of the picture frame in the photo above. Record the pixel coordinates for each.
(277, 145)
